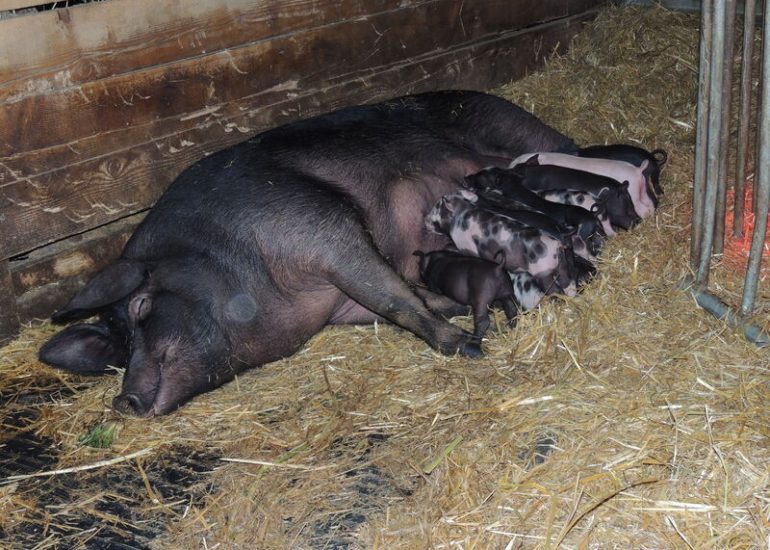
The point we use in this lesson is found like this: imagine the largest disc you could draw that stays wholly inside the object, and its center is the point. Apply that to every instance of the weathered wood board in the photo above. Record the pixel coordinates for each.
(107, 102)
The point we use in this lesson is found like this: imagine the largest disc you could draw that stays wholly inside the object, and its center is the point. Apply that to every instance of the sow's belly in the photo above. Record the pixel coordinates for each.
(398, 227)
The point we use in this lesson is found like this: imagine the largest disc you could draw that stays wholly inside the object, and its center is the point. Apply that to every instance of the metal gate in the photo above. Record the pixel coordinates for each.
(712, 149)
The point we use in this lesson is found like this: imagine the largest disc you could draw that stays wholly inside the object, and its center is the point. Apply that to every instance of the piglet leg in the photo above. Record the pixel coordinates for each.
(480, 320)
(511, 309)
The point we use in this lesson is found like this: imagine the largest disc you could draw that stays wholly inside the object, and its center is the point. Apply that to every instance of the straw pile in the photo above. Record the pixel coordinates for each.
(622, 418)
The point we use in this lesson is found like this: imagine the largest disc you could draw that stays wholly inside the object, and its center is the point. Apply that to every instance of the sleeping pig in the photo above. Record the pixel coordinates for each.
(253, 249)
(615, 196)
(584, 200)
(503, 188)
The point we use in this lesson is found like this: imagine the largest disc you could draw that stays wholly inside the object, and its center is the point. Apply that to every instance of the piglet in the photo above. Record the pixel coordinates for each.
(615, 196)
(633, 155)
(482, 233)
(583, 200)
(617, 170)
(472, 281)
(503, 188)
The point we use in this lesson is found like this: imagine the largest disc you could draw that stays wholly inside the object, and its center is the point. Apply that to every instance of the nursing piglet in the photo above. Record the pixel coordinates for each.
(503, 188)
(617, 170)
(615, 196)
(526, 290)
(633, 155)
(483, 233)
(472, 281)
(582, 200)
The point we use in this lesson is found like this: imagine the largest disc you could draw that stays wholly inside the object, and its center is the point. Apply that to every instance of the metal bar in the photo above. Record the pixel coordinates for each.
(762, 179)
(701, 140)
(720, 310)
(715, 127)
(756, 138)
(724, 134)
(742, 155)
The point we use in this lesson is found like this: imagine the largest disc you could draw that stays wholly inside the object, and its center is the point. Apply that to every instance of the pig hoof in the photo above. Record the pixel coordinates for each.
(471, 349)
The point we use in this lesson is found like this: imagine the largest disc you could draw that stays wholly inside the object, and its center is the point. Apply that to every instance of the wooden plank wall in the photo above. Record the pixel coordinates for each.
(103, 104)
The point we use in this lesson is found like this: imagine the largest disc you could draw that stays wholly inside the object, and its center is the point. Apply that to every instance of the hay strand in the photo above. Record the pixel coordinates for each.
(81, 468)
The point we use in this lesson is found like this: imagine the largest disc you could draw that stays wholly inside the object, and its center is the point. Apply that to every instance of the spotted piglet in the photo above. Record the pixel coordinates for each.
(584, 200)
(472, 281)
(526, 290)
(482, 233)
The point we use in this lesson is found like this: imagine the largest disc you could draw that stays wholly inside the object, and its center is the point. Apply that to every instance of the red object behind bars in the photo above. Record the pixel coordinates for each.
(736, 252)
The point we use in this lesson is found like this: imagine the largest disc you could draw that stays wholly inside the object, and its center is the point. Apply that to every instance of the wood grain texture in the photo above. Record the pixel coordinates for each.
(9, 318)
(68, 47)
(56, 191)
(292, 62)
(45, 280)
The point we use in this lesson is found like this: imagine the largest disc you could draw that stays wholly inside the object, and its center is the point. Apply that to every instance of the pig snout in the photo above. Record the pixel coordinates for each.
(133, 404)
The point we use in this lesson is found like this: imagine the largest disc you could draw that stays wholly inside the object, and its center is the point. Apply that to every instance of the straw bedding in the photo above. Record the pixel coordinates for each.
(622, 418)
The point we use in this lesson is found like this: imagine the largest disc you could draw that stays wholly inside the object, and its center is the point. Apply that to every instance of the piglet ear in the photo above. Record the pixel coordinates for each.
(108, 286)
(660, 157)
(84, 349)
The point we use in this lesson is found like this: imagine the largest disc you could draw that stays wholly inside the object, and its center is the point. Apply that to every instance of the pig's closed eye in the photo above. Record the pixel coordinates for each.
(166, 354)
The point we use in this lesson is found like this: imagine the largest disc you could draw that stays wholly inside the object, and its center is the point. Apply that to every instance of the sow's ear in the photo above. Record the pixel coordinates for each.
(108, 286)
(84, 349)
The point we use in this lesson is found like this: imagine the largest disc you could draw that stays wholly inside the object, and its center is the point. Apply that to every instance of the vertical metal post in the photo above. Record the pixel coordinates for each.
(701, 141)
(762, 178)
(742, 156)
(724, 134)
(716, 96)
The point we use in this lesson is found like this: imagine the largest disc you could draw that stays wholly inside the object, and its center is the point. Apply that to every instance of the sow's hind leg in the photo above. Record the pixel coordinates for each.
(371, 282)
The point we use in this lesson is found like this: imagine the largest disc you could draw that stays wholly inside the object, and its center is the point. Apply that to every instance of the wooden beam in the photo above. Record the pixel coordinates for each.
(69, 47)
(45, 280)
(85, 254)
(8, 5)
(141, 160)
(9, 318)
(292, 62)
